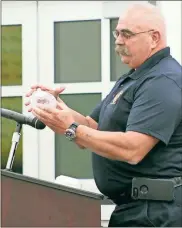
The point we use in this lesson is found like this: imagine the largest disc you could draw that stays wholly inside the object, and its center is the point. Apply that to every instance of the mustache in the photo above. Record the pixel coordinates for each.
(122, 50)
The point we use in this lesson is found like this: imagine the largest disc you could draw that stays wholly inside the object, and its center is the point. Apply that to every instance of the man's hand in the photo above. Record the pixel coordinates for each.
(55, 92)
(51, 117)
(56, 120)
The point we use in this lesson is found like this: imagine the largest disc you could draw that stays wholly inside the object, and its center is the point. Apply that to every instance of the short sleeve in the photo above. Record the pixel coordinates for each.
(157, 108)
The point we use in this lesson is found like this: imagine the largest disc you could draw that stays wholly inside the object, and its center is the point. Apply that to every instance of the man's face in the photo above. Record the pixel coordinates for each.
(133, 49)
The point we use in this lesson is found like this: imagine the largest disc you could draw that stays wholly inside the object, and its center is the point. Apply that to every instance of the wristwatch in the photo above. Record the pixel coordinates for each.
(71, 131)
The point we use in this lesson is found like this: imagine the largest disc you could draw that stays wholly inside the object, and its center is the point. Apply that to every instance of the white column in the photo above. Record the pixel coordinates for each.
(24, 13)
(29, 77)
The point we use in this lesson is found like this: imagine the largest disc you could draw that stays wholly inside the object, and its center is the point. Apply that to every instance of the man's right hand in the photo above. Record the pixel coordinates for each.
(87, 121)
(55, 92)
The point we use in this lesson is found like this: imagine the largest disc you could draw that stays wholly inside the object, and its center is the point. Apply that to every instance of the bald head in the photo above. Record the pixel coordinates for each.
(145, 16)
(142, 33)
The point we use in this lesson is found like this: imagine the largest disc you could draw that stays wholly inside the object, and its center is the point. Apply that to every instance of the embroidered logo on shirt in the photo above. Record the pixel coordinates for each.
(117, 97)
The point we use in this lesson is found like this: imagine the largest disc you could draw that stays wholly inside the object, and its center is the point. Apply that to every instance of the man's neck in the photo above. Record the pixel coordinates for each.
(159, 48)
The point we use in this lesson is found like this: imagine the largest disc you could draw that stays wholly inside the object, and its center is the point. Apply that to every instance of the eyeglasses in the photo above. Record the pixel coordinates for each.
(127, 34)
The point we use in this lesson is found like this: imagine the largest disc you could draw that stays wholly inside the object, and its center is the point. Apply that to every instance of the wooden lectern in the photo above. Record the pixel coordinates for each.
(30, 202)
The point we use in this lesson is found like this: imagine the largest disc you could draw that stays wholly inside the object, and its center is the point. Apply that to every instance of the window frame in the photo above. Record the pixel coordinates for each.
(24, 14)
(72, 32)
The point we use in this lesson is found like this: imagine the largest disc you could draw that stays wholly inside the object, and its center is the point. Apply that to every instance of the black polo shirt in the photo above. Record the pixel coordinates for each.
(149, 101)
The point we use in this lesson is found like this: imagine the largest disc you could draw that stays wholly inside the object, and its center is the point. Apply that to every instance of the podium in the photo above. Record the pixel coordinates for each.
(30, 202)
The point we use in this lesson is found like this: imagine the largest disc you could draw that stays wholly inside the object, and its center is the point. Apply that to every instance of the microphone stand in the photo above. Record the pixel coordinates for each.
(14, 145)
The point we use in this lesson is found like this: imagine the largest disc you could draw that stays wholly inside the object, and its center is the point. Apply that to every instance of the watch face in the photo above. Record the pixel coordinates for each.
(70, 134)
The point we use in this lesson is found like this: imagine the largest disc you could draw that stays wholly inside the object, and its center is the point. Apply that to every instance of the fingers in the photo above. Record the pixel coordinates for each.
(30, 92)
(27, 103)
(44, 110)
(35, 87)
(54, 92)
(30, 109)
(59, 100)
(40, 117)
(61, 106)
(47, 88)
(45, 114)
(58, 106)
(40, 114)
(59, 90)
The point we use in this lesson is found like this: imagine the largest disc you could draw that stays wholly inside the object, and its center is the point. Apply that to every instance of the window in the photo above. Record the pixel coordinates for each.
(69, 159)
(77, 51)
(8, 128)
(11, 62)
(11, 54)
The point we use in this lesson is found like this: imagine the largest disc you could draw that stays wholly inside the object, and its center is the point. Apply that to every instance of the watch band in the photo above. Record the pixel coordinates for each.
(73, 126)
(71, 131)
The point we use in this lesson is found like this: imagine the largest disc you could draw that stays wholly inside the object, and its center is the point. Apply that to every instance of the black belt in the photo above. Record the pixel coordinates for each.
(125, 197)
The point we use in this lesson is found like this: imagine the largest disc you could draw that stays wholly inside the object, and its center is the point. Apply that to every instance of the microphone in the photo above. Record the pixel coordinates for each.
(22, 119)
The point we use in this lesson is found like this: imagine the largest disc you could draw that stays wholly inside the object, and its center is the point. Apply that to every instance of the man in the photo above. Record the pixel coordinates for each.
(136, 131)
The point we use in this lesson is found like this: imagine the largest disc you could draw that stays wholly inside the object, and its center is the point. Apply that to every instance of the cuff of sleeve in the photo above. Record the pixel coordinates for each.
(93, 117)
(149, 132)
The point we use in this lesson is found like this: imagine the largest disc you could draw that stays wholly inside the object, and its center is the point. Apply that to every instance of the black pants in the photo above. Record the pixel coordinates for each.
(142, 213)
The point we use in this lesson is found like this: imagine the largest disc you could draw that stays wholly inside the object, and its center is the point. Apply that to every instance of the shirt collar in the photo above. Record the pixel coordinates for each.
(149, 63)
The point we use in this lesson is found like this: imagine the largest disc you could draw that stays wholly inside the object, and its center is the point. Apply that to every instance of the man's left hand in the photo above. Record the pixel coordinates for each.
(56, 120)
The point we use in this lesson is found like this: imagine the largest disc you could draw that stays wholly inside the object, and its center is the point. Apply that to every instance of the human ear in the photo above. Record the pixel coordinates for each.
(155, 38)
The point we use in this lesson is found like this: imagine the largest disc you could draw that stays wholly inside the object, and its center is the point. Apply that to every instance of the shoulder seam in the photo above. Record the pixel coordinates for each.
(172, 80)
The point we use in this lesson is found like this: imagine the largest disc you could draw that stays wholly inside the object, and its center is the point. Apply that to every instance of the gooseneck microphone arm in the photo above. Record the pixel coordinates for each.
(20, 119)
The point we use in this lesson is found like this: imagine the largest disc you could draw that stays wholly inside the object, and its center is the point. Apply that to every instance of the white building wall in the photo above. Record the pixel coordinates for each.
(17, 11)
(172, 13)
